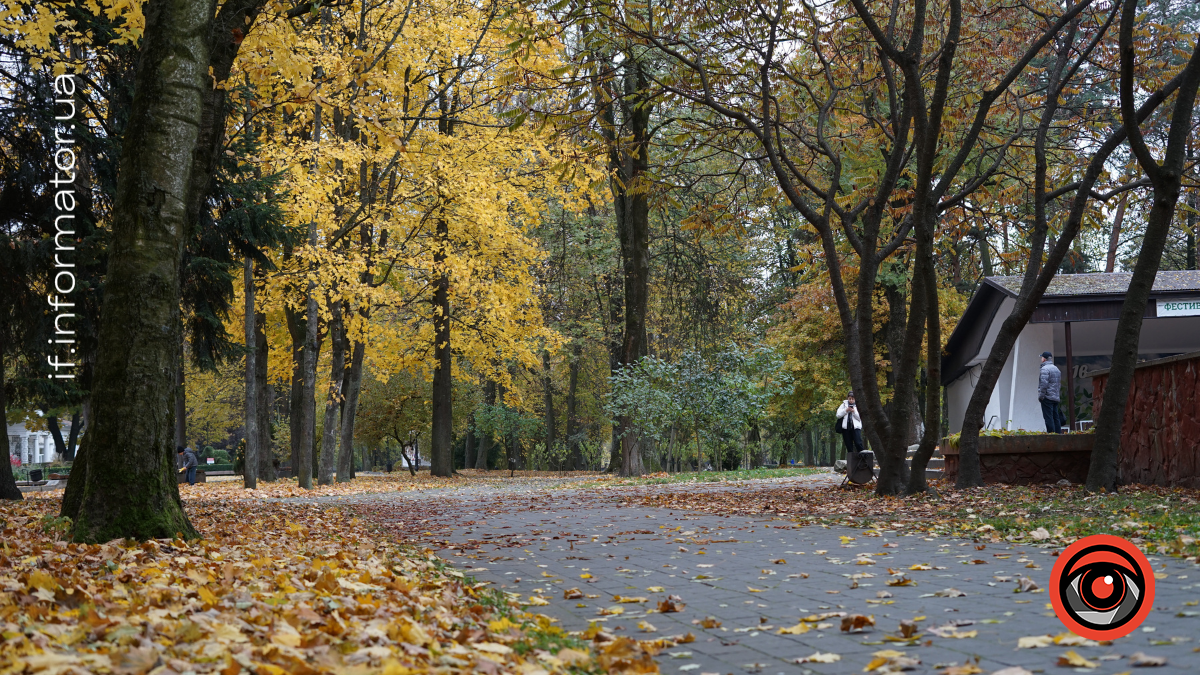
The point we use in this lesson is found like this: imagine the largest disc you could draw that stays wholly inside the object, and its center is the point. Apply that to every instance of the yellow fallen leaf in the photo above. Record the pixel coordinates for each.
(39, 579)
(888, 654)
(285, 635)
(656, 589)
(585, 576)
(1071, 658)
(495, 648)
(625, 600)
(966, 669)
(799, 629)
(537, 601)
(754, 590)
(225, 633)
(612, 611)
(646, 627)
(547, 574)
(1034, 641)
(875, 663)
(920, 566)
(207, 596)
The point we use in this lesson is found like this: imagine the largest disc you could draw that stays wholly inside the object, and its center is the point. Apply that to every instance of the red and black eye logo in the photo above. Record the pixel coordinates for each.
(1102, 587)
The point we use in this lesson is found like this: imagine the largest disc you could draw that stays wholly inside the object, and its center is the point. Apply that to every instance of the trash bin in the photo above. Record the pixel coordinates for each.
(35, 475)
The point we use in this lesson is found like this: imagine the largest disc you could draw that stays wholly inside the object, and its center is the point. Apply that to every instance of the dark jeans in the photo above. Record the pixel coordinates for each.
(1052, 415)
(852, 439)
(191, 475)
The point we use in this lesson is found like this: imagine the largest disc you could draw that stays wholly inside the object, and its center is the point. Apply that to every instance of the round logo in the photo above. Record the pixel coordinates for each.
(1102, 587)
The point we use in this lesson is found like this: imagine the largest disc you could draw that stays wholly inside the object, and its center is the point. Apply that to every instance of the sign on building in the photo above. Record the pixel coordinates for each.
(1181, 307)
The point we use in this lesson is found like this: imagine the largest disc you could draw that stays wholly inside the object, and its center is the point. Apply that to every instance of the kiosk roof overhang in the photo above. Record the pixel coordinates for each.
(1069, 298)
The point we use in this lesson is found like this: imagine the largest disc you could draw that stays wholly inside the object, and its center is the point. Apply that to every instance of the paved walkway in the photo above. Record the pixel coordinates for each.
(754, 576)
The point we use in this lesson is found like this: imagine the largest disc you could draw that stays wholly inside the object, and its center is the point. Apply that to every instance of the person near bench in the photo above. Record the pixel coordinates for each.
(189, 463)
(849, 425)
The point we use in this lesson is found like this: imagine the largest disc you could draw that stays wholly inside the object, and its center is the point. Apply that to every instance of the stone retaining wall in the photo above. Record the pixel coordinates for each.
(1028, 458)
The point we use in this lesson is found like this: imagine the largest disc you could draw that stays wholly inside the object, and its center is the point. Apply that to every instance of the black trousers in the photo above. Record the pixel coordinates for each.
(1053, 416)
(852, 439)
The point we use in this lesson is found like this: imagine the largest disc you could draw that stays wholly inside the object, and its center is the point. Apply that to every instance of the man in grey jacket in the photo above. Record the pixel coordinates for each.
(1049, 389)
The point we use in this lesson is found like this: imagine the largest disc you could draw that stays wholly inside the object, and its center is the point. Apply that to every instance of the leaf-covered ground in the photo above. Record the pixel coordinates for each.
(1162, 520)
(272, 588)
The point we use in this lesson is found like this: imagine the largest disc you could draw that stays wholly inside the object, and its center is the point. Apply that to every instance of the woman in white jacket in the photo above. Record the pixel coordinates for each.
(849, 425)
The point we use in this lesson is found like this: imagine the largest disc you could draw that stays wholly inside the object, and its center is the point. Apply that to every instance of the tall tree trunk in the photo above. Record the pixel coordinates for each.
(297, 329)
(181, 397)
(469, 448)
(308, 394)
(1114, 238)
(631, 193)
(250, 465)
(8, 482)
(130, 490)
(60, 447)
(1193, 207)
(441, 458)
(933, 386)
(548, 402)
(1166, 179)
(333, 398)
(351, 388)
(73, 440)
(576, 451)
(265, 399)
(487, 440)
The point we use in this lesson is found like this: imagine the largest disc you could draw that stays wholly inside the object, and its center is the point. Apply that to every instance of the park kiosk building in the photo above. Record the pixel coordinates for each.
(1076, 321)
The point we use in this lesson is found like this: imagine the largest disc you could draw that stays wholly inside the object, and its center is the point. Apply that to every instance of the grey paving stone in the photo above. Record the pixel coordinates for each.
(628, 550)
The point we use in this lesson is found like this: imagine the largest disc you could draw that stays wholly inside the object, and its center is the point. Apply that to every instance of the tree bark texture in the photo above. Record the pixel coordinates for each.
(130, 489)
(181, 396)
(265, 399)
(351, 389)
(73, 440)
(8, 482)
(1114, 238)
(576, 452)
(250, 465)
(548, 403)
(486, 441)
(1166, 180)
(441, 457)
(630, 194)
(296, 328)
(333, 397)
(469, 448)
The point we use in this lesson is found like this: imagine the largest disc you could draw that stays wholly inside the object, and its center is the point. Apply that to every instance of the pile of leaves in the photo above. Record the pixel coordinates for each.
(270, 589)
(371, 484)
(1162, 520)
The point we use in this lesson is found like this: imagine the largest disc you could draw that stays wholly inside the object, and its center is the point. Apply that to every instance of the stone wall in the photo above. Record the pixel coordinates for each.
(1023, 459)
(1160, 438)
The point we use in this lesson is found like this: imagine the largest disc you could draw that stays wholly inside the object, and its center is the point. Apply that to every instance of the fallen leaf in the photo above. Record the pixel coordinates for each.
(572, 594)
(646, 627)
(799, 629)
(1141, 660)
(819, 657)
(1072, 658)
(1035, 641)
(673, 603)
(856, 622)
